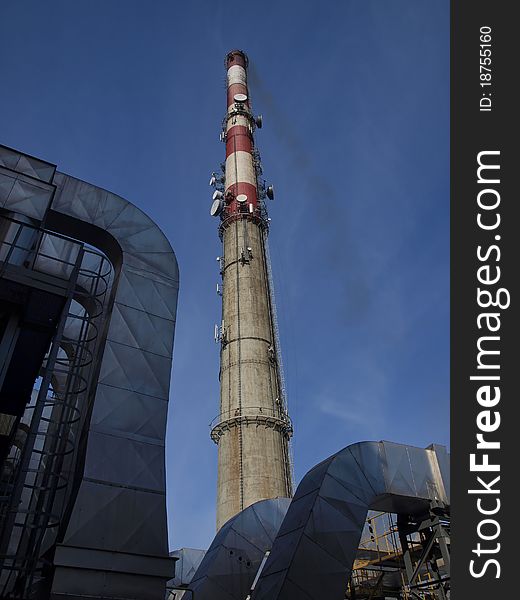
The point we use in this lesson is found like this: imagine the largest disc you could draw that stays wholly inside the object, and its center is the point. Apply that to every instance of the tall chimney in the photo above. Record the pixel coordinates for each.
(253, 428)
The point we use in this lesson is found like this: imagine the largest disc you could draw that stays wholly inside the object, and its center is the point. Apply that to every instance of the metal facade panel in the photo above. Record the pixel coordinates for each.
(346, 471)
(299, 515)
(335, 530)
(21, 194)
(140, 329)
(9, 158)
(137, 564)
(312, 479)
(188, 562)
(132, 369)
(151, 262)
(29, 165)
(154, 295)
(368, 456)
(120, 504)
(71, 583)
(269, 514)
(118, 519)
(78, 199)
(286, 546)
(129, 414)
(139, 239)
(442, 459)
(228, 569)
(7, 181)
(141, 464)
(341, 498)
(322, 573)
(144, 246)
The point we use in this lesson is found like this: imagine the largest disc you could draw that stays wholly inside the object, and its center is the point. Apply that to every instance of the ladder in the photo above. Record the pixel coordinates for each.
(276, 334)
(274, 319)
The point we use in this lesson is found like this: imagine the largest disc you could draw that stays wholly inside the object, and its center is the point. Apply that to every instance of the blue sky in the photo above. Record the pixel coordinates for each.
(129, 95)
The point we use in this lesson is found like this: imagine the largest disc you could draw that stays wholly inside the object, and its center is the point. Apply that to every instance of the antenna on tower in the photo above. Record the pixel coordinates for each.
(250, 314)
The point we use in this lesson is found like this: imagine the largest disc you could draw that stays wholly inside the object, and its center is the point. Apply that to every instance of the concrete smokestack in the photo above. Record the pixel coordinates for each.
(253, 428)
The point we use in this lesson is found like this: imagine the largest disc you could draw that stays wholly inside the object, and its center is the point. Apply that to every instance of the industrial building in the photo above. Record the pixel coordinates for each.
(88, 296)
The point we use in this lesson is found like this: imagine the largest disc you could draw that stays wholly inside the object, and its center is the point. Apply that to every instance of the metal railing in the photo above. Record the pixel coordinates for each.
(251, 415)
(257, 217)
(25, 245)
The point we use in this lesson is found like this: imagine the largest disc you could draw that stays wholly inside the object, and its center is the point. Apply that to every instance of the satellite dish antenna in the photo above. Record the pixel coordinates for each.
(241, 198)
(239, 97)
(213, 180)
(216, 208)
(217, 195)
(258, 121)
(270, 192)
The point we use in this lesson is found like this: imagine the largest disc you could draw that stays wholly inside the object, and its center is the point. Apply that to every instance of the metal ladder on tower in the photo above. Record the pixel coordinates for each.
(276, 333)
(274, 319)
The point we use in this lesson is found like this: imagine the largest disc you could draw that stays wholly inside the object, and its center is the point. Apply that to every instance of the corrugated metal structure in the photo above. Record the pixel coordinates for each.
(314, 551)
(188, 561)
(239, 549)
(306, 548)
(88, 303)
